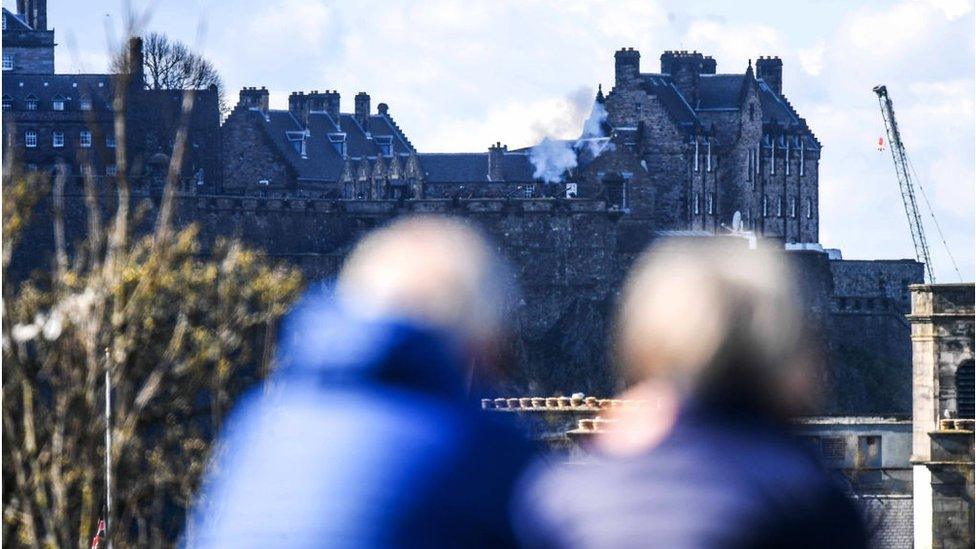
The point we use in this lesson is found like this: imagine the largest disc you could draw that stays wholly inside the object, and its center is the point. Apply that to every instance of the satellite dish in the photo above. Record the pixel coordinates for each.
(737, 222)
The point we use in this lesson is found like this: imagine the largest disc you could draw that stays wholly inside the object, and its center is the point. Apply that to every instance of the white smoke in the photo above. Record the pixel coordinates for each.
(552, 158)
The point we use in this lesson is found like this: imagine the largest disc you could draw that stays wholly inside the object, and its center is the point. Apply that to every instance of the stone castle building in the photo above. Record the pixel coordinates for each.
(682, 151)
(66, 121)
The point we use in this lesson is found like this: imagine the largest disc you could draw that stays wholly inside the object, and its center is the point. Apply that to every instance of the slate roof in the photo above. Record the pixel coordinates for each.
(322, 161)
(720, 92)
(70, 87)
(473, 167)
(15, 22)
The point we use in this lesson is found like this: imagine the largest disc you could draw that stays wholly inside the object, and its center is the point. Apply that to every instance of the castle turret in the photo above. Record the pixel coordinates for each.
(496, 157)
(626, 67)
(770, 70)
(362, 110)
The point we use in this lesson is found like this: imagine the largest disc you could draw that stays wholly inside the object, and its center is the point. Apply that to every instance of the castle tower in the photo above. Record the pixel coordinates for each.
(626, 67)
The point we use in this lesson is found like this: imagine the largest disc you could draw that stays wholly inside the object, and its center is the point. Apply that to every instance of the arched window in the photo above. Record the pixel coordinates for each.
(31, 103)
(965, 381)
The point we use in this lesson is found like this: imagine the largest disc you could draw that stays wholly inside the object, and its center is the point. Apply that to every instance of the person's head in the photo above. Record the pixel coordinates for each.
(436, 271)
(714, 319)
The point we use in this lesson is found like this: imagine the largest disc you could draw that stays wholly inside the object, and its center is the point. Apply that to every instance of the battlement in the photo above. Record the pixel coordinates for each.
(575, 403)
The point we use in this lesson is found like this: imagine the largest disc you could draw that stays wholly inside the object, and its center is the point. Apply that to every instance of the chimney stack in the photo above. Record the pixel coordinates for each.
(137, 76)
(496, 157)
(362, 110)
(332, 105)
(685, 69)
(626, 67)
(770, 70)
(256, 99)
(35, 11)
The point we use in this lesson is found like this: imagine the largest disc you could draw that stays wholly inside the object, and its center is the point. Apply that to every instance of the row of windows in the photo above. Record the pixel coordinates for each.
(57, 104)
(768, 211)
(85, 169)
(57, 139)
(753, 168)
(709, 204)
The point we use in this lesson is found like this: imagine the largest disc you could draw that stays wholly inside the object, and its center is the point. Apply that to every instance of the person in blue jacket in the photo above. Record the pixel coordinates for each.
(719, 355)
(366, 435)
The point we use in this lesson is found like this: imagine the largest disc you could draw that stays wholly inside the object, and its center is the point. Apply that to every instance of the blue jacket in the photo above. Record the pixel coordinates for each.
(363, 438)
(723, 478)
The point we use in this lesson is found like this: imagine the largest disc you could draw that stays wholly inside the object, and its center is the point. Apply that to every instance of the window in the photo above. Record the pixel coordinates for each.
(779, 206)
(58, 140)
(338, 141)
(752, 111)
(58, 103)
(772, 157)
(697, 204)
(385, 143)
(869, 451)
(529, 191)
(85, 104)
(8, 61)
(710, 203)
(110, 141)
(86, 169)
(85, 139)
(765, 206)
(31, 103)
(5, 21)
(708, 161)
(110, 170)
(809, 207)
(965, 403)
(696, 154)
(8, 103)
(750, 158)
(792, 207)
(834, 449)
(786, 158)
(802, 167)
(30, 138)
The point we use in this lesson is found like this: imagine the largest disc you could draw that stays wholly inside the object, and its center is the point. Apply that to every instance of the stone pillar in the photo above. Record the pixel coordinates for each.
(942, 442)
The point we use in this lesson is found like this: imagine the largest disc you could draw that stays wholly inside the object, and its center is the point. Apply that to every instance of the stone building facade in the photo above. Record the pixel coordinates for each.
(67, 121)
(942, 437)
(28, 45)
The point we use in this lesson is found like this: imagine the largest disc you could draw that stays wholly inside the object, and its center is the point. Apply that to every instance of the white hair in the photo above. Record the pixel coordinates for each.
(435, 270)
(709, 315)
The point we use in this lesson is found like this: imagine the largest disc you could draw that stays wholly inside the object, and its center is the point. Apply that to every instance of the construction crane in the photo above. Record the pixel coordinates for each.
(905, 182)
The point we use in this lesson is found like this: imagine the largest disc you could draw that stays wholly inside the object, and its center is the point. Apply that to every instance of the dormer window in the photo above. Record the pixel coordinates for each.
(8, 59)
(297, 140)
(58, 103)
(8, 102)
(31, 103)
(385, 143)
(338, 141)
(85, 104)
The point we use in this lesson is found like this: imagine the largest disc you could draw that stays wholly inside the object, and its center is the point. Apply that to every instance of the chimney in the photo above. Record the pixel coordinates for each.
(685, 69)
(137, 77)
(770, 70)
(256, 99)
(496, 156)
(332, 105)
(40, 15)
(362, 110)
(383, 108)
(626, 67)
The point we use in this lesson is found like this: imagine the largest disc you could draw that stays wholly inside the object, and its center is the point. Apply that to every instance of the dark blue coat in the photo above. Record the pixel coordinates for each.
(723, 478)
(363, 438)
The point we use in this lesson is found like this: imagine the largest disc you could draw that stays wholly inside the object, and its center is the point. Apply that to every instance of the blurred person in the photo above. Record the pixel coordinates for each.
(712, 337)
(365, 436)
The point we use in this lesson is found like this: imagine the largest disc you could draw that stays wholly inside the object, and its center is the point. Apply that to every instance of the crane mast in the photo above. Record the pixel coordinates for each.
(905, 183)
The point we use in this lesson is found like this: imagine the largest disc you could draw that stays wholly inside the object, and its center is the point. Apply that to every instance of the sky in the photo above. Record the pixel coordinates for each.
(461, 75)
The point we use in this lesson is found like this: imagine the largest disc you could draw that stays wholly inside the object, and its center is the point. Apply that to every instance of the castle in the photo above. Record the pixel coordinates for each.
(683, 151)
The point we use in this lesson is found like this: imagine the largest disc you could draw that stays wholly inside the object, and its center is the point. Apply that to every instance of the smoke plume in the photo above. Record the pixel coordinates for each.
(552, 158)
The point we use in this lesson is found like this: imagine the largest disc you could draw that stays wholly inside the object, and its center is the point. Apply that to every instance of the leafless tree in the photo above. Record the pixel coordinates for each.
(179, 333)
(172, 65)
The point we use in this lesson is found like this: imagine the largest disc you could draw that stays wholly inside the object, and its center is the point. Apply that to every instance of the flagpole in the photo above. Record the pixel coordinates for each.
(108, 452)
